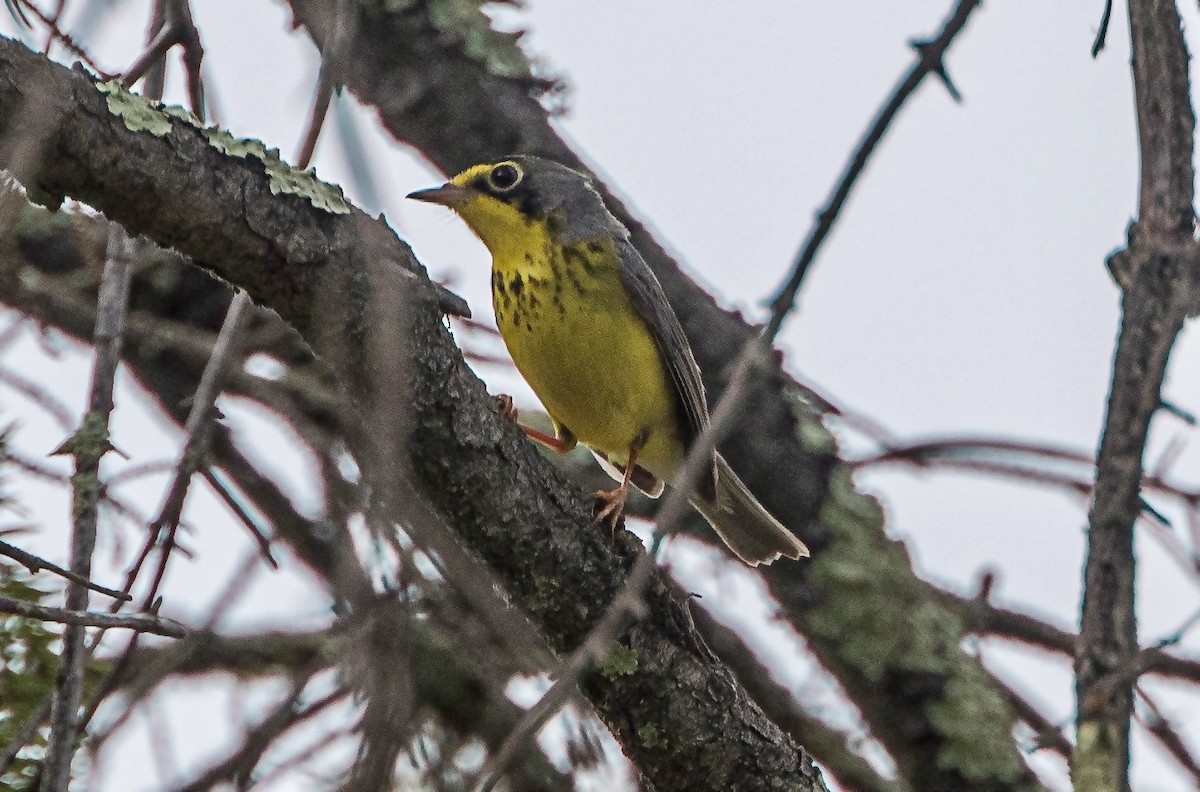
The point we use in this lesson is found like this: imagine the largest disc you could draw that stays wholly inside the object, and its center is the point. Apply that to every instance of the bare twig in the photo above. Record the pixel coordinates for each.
(195, 446)
(327, 79)
(1047, 733)
(1031, 461)
(137, 471)
(64, 39)
(930, 60)
(241, 763)
(154, 625)
(39, 396)
(176, 28)
(1102, 30)
(42, 471)
(150, 677)
(1169, 737)
(87, 446)
(1157, 276)
(832, 748)
(35, 563)
(24, 734)
(244, 517)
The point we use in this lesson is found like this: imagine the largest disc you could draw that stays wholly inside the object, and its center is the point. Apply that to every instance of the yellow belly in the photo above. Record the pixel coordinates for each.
(578, 341)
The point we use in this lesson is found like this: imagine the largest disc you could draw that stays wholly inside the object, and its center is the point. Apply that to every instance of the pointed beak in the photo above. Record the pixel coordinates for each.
(449, 194)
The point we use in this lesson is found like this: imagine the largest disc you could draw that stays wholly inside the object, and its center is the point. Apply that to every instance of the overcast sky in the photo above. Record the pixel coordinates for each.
(963, 293)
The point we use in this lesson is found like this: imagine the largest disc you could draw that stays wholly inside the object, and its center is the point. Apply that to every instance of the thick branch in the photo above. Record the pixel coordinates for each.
(681, 716)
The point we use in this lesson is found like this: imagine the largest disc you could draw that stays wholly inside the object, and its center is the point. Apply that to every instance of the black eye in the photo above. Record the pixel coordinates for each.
(504, 177)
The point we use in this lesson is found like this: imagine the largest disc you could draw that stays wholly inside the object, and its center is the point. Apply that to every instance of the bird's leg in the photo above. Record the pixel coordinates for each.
(509, 411)
(611, 503)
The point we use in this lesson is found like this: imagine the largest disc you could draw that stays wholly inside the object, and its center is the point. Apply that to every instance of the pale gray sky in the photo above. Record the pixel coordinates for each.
(964, 291)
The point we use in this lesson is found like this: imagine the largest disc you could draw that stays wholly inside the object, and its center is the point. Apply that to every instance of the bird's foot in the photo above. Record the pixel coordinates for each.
(610, 505)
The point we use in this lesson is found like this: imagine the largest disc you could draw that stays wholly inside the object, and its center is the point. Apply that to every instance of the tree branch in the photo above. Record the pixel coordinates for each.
(35, 563)
(147, 624)
(930, 60)
(1157, 275)
(87, 446)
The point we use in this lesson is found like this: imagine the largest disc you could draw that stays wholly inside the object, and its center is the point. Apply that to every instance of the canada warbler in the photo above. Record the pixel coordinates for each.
(588, 326)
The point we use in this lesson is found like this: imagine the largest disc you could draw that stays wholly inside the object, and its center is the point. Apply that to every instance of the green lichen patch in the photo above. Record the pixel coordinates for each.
(621, 661)
(879, 621)
(284, 178)
(90, 441)
(813, 435)
(466, 22)
(883, 622)
(142, 115)
(973, 720)
(1092, 765)
(139, 113)
(648, 736)
(183, 114)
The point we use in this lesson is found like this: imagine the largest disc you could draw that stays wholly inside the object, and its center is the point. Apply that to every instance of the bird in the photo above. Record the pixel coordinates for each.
(588, 326)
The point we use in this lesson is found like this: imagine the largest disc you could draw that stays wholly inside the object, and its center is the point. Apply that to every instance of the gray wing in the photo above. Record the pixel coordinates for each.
(652, 305)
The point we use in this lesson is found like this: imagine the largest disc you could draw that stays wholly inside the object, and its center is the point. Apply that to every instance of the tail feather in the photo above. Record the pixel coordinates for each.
(743, 524)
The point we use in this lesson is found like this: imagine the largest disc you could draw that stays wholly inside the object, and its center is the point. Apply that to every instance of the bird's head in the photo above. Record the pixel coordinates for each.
(509, 196)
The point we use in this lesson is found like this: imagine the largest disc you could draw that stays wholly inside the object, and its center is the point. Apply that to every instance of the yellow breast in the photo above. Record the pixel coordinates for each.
(578, 340)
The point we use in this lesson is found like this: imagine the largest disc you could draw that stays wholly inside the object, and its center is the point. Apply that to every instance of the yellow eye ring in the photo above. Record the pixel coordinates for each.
(505, 176)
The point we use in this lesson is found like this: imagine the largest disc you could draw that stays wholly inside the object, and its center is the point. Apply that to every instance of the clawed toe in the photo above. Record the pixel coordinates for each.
(610, 505)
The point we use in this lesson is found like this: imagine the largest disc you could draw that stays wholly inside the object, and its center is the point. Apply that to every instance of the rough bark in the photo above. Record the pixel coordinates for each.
(1157, 274)
(680, 714)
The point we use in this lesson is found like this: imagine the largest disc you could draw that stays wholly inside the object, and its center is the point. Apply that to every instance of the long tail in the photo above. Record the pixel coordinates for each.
(742, 523)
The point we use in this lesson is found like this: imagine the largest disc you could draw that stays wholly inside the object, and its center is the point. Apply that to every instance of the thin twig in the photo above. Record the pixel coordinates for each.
(1047, 734)
(25, 734)
(1102, 31)
(231, 500)
(986, 454)
(167, 37)
(40, 396)
(64, 39)
(1169, 737)
(138, 471)
(129, 621)
(176, 28)
(930, 60)
(327, 79)
(87, 446)
(195, 446)
(35, 563)
(42, 471)
(10, 334)
(151, 676)
(240, 765)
